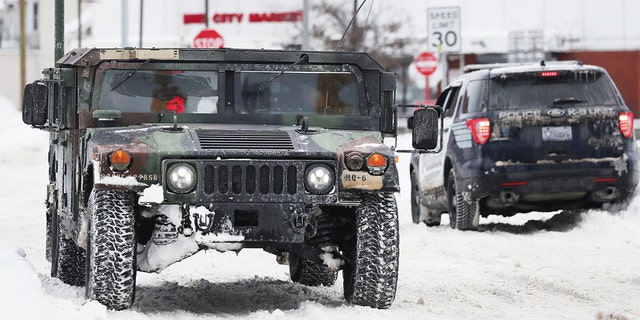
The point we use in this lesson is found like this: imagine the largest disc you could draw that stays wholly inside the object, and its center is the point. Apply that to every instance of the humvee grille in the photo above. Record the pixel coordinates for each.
(219, 139)
(252, 178)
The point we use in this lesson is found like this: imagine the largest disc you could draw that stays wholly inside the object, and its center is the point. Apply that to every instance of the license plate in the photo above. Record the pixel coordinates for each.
(556, 133)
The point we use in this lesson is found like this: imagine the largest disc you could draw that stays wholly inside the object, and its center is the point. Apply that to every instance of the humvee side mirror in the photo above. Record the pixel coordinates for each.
(425, 134)
(35, 104)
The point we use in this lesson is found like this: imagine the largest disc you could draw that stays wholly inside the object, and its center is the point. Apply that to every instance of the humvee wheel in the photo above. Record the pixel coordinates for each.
(309, 273)
(67, 259)
(111, 255)
(371, 272)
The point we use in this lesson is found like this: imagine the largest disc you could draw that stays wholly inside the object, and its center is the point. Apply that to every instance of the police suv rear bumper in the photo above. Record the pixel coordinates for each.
(548, 186)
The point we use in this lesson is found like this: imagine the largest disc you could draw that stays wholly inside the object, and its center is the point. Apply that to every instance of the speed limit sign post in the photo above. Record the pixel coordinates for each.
(443, 29)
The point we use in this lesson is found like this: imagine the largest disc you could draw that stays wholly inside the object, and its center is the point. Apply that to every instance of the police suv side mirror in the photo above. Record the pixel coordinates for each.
(35, 104)
(426, 131)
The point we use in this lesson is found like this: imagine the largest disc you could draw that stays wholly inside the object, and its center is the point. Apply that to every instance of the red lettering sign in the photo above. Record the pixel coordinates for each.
(227, 17)
(193, 18)
(276, 16)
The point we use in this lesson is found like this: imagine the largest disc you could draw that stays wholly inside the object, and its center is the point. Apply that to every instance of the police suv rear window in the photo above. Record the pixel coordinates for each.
(551, 89)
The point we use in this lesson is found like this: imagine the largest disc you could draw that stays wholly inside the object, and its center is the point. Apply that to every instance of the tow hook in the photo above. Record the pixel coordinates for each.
(203, 222)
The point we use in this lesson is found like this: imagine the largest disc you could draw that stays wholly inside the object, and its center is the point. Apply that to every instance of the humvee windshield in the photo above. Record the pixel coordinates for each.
(254, 92)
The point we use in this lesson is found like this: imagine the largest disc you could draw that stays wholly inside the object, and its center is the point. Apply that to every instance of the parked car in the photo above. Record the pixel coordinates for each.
(538, 137)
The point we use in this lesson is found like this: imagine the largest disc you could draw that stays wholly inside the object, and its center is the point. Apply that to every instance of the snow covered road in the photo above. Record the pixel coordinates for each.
(533, 266)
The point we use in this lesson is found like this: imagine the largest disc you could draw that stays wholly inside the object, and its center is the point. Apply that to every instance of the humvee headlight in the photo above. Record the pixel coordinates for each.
(376, 163)
(319, 179)
(354, 161)
(120, 160)
(181, 178)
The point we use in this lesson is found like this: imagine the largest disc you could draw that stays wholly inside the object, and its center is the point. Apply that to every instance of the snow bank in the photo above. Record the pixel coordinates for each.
(20, 142)
(21, 295)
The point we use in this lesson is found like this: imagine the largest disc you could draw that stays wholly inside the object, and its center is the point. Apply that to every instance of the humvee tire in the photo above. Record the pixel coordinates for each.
(371, 273)
(309, 273)
(111, 254)
(67, 259)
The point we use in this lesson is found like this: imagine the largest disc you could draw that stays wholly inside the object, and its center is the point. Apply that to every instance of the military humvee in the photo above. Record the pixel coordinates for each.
(158, 153)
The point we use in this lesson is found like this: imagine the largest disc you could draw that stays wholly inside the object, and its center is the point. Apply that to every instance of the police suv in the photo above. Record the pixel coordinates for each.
(538, 137)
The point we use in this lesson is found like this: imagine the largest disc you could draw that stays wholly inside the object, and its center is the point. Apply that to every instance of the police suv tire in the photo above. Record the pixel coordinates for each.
(371, 272)
(309, 273)
(111, 254)
(67, 259)
(462, 214)
(416, 203)
(419, 212)
(452, 199)
(466, 214)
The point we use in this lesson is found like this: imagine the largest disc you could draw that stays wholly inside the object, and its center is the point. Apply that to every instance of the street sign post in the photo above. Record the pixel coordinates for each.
(443, 29)
(208, 38)
(426, 63)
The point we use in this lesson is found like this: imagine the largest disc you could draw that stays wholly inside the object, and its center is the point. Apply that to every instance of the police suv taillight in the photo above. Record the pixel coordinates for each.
(625, 119)
(480, 129)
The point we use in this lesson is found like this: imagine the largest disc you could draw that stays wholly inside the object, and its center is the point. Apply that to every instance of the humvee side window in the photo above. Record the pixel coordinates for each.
(159, 90)
(298, 93)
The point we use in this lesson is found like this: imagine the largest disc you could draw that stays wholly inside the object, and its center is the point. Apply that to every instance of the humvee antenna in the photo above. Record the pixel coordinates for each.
(349, 25)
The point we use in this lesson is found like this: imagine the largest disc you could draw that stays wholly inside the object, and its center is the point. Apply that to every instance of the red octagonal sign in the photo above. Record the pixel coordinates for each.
(208, 38)
(426, 63)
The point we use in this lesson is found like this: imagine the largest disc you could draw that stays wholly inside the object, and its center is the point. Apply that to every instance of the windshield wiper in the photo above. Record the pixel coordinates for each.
(303, 58)
(568, 100)
(130, 74)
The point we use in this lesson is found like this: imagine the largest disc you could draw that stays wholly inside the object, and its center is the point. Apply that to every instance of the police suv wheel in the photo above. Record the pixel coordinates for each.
(111, 255)
(415, 199)
(371, 272)
(462, 214)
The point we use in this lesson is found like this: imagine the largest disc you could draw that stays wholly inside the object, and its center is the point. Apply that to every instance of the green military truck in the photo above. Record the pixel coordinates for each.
(159, 153)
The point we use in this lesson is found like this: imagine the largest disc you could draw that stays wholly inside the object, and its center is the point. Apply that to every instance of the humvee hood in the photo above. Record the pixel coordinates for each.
(194, 140)
(148, 146)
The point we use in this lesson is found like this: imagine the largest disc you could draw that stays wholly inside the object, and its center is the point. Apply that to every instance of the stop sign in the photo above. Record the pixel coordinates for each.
(426, 63)
(208, 38)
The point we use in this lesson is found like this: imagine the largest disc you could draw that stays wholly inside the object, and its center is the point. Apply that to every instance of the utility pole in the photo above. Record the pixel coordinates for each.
(305, 25)
(59, 31)
(79, 24)
(23, 54)
(141, 22)
(125, 23)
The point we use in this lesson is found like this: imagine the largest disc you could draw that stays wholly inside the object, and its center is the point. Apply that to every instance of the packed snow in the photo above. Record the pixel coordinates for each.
(531, 266)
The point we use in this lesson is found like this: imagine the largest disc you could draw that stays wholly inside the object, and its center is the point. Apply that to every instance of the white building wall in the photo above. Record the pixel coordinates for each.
(567, 25)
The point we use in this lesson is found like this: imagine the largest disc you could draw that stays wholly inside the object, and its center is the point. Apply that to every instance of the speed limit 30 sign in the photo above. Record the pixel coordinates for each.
(443, 29)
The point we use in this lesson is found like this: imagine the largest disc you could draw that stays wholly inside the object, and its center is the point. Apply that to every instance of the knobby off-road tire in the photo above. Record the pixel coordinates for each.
(371, 274)
(111, 256)
(67, 259)
(462, 214)
(309, 273)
